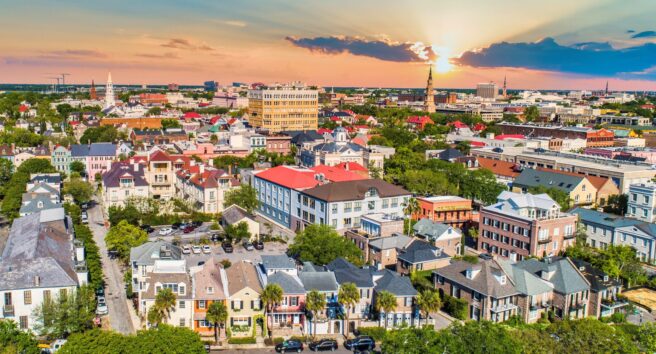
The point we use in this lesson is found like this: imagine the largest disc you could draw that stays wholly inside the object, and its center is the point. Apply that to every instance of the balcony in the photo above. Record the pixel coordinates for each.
(544, 240)
(569, 236)
(576, 307)
(612, 304)
(503, 308)
(8, 311)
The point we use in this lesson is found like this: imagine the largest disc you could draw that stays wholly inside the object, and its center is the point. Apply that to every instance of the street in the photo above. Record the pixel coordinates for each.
(119, 315)
(339, 350)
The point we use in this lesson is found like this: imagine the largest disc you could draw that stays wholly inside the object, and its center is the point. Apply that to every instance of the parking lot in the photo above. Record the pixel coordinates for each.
(238, 254)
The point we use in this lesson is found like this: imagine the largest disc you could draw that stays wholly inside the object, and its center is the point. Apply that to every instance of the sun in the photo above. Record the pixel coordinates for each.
(442, 63)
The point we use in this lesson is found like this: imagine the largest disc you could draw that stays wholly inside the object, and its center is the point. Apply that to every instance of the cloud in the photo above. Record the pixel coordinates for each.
(76, 53)
(591, 58)
(168, 55)
(645, 34)
(382, 49)
(630, 31)
(181, 43)
(235, 23)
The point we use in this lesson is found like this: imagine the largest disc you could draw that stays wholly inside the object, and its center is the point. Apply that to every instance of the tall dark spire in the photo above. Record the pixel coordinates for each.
(606, 87)
(429, 99)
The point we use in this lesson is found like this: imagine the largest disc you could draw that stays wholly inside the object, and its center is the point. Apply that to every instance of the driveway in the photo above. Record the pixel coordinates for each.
(119, 315)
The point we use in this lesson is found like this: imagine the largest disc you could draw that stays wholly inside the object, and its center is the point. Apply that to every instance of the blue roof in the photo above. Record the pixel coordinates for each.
(80, 150)
(102, 149)
(610, 220)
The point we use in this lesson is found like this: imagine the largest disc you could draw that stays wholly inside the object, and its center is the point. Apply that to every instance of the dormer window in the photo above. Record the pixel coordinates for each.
(502, 280)
(210, 290)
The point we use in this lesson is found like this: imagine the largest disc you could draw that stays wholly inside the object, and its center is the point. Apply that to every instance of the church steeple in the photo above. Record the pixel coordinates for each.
(504, 87)
(429, 99)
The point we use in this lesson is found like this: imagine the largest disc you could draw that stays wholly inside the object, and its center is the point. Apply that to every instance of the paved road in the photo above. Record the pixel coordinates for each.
(119, 317)
(341, 350)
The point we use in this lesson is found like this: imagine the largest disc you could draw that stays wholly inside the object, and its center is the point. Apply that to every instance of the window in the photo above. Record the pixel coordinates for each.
(46, 294)
(646, 199)
(358, 206)
(293, 301)
(334, 209)
(23, 322)
(210, 290)
(182, 304)
(182, 322)
(27, 297)
(201, 304)
(347, 222)
(348, 207)
(182, 289)
(407, 301)
(385, 203)
(645, 212)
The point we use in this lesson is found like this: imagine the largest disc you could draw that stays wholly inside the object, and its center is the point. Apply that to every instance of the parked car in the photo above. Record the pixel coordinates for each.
(84, 206)
(323, 345)
(289, 346)
(259, 245)
(248, 246)
(196, 249)
(216, 237)
(197, 223)
(186, 249)
(100, 291)
(188, 229)
(360, 343)
(101, 307)
(84, 217)
(147, 228)
(165, 231)
(176, 225)
(207, 249)
(227, 247)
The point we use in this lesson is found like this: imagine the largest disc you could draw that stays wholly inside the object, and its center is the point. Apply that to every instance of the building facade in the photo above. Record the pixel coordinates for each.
(278, 109)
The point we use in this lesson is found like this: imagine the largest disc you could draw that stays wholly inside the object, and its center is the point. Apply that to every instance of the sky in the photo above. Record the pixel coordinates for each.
(535, 44)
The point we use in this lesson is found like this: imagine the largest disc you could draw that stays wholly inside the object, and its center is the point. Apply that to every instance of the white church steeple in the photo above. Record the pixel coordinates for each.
(109, 92)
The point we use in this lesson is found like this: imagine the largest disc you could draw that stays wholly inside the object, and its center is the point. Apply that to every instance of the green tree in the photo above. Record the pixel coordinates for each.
(65, 314)
(321, 244)
(385, 303)
(561, 197)
(349, 297)
(154, 112)
(128, 213)
(646, 337)
(80, 190)
(428, 301)
(104, 133)
(15, 341)
(590, 336)
(531, 113)
(217, 314)
(238, 232)
(122, 237)
(79, 167)
(14, 189)
(244, 196)
(165, 301)
(315, 302)
(271, 297)
(170, 123)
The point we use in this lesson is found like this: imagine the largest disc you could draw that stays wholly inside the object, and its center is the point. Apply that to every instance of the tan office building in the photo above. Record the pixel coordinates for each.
(280, 109)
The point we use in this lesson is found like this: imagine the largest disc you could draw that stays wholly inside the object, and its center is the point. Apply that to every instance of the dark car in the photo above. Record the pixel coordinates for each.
(360, 343)
(227, 247)
(289, 346)
(216, 237)
(147, 228)
(197, 223)
(323, 345)
(259, 245)
(176, 225)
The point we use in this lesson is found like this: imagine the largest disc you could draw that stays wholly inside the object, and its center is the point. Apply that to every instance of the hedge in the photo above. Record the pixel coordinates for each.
(242, 340)
(455, 307)
(92, 252)
(377, 333)
(273, 341)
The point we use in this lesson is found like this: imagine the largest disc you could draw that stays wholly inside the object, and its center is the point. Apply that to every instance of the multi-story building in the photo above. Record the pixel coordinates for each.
(579, 189)
(143, 258)
(285, 108)
(522, 225)
(606, 229)
(122, 182)
(444, 236)
(330, 319)
(642, 202)
(61, 159)
(339, 150)
(488, 90)
(205, 188)
(160, 174)
(451, 210)
(210, 285)
(97, 157)
(244, 305)
(604, 291)
(169, 274)
(346, 272)
(41, 260)
(343, 204)
(405, 312)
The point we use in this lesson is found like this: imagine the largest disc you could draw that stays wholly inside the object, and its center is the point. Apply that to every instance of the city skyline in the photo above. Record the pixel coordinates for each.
(559, 46)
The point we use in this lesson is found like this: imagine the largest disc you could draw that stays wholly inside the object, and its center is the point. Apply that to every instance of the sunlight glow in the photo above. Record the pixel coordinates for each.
(442, 64)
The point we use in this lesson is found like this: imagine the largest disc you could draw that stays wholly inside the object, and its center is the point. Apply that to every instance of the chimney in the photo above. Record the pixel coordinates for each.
(37, 280)
(136, 167)
(201, 168)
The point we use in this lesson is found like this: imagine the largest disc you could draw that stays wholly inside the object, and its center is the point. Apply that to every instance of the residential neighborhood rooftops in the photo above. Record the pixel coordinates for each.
(486, 277)
(395, 283)
(355, 190)
(279, 261)
(242, 275)
(420, 252)
(385, 243)
(290, 284)
(321, 281)
(151, 251)
(289, 176)
(558, 271)
(535, 178)
(610, 220)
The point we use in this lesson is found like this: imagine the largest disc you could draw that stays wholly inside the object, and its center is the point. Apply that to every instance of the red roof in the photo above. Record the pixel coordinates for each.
(203, 104)
(458, 124)
(324, 130)
(74, 123)
(509, 136)
(499, 168)
(479, 127)
(350, 112)
(23, 108)
(361, 126)
(159, 156)
(214, 120)
(647, 106)
(420, 120)
(191, 115)
(336, 174)
(335, 119)
(477, 143)
(351, 166)
(232, 121)
(290, 177)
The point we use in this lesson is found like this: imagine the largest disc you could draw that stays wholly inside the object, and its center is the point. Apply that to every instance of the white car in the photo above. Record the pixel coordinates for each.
(101, 308)
(207, 249)
(186, 249)
(165, 231)
(85, 218)
(196, 249)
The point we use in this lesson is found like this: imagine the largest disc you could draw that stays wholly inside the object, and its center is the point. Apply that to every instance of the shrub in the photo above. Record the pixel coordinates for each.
(242, 340)
(273, 341)
(377, 333)
(226, 263)
(302, 339)
(455, 307)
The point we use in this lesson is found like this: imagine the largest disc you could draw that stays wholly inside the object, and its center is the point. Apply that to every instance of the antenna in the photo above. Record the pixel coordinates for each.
(63, 77)
(56, 86)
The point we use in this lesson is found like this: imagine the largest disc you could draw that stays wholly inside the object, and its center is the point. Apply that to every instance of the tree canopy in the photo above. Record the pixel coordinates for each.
(104, 133)
(321, 244)
(14, 341)
(14, 189)
(244, 196)
(122, 237)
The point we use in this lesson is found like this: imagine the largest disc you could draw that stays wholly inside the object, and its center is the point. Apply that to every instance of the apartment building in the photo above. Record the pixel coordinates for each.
(41, 260)
(283, 108)
(579, 189)
(604, 291)
(143, 258)
(451, 210)
(204, 188)
(522, 225)
(642, 202)
(343, 204)
(244, 305)
(174, 275)
(209, 286)
(339, 149)
(346, 272)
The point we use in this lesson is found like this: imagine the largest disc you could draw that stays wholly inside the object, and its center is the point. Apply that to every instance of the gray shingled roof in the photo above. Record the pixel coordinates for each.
(43, 188)
(565, 278)
(80, 150)
(395, 284)
(610, 220)
(395, 241)
(485, 280)
(278, 261)
(102, 149)
(430, 229)
(346, 272)
(52, 178)
(525, 282)
(534, 178)
(288, 283)
(421, 251)
(38, 203)
(112, 178)
(234, 213)
(149, 252)
(321, 281)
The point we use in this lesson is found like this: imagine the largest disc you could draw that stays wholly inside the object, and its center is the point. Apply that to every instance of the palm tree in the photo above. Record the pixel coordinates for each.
(428, 301)
(154, 316)
(271, 296)
(165, 302)
(386, 303)
(315, 302)
(411, 207)
(348, 296)
(217, 313)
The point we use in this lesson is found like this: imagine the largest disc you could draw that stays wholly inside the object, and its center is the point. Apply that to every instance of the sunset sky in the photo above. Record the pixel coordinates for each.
(536, 44)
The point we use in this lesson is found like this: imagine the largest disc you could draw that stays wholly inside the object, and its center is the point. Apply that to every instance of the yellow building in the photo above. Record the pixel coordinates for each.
(286, 108)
